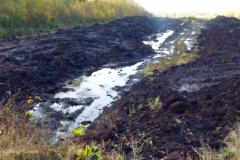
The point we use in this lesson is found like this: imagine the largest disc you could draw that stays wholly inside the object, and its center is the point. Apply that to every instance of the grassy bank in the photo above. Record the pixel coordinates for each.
(18, 17)
(21, 140)
(229, 151)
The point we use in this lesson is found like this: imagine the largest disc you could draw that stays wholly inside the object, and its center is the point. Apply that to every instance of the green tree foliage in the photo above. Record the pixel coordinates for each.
(19, 16)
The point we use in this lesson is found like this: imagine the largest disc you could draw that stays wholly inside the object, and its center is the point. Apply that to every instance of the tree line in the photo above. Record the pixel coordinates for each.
(19, 16)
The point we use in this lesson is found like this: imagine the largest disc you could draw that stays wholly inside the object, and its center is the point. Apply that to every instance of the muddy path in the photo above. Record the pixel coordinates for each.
(199, 101)
(41, 64)
(78, 72)
(81, 100)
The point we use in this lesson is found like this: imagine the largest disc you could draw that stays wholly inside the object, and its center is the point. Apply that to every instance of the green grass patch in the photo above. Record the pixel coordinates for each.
(169, 61)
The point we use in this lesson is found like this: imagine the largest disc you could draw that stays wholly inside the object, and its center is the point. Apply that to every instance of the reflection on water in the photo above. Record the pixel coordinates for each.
(160, 38)
(99, 86)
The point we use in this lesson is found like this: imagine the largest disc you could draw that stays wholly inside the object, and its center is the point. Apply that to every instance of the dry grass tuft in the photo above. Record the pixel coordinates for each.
(19, 140)
(231, 151)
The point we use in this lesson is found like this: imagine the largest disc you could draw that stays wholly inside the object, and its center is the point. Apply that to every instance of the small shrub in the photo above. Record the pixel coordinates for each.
(80, 130)
(28, 114)
(89, 152)
(30, 101)
(155, 104)
(37, 99)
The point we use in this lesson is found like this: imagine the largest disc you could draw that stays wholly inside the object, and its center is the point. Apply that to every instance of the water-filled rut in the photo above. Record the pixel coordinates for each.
(84, 98)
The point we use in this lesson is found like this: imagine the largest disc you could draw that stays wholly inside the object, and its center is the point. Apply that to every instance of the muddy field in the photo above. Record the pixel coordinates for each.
(83, 101)
(198, 102)
(170, 112)
(40, 64)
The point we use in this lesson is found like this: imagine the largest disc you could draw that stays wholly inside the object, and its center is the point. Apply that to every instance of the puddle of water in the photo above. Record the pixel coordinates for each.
(189, 88)
(155, 44)
(189, 43)
(99, 86)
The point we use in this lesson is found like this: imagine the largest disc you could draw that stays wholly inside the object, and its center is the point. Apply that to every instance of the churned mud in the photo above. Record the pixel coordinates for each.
(83, 99)
(176, 111)
(94, 76)
(40, 64)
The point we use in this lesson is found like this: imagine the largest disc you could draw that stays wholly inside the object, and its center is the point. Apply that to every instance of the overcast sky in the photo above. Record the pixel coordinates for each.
(158, 6)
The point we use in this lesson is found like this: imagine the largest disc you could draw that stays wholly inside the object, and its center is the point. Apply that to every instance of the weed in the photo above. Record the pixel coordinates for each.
(155, 104)
(89, 152)
(28, 114)
(80, 130)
